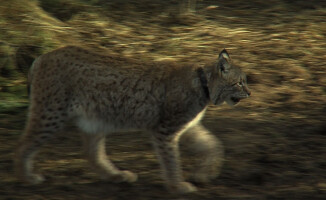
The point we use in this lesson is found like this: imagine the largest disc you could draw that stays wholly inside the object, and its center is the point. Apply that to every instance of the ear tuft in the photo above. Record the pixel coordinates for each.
(224, 55)
(224, 61)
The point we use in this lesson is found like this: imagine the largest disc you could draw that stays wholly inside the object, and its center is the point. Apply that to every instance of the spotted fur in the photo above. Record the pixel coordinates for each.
(104, 94)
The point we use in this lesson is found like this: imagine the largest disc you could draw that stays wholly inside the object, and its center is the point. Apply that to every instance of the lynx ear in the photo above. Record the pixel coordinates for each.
(224, 55)
(223, 61)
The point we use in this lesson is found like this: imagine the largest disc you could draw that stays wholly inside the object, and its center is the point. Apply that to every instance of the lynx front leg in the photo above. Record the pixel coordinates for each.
(96, 154)
(202, 144)
(168, 154)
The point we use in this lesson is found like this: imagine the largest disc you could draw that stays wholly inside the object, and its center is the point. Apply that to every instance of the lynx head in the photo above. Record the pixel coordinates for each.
(226, 82)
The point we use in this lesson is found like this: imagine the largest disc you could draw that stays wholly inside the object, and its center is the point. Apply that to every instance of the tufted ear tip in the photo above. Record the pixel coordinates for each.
(224, 55)
(224, 61)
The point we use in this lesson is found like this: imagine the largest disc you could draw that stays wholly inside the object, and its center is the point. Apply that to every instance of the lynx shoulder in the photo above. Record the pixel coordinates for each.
(104, 94)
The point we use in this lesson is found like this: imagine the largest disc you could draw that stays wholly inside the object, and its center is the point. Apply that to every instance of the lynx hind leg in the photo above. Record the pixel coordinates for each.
(94, 147)
(168, 154)
(202, 144)
(39, 129)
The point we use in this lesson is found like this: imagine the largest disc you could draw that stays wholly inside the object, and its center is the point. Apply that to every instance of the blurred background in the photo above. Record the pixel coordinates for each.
(275, 141)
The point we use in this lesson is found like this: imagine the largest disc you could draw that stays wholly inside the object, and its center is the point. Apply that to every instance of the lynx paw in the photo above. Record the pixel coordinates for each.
(182, 188)
(123, 176)
(205, 174)
(33, 179)
(201, 177)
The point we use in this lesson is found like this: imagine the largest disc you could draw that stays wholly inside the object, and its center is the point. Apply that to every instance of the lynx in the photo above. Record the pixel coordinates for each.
(105, 94)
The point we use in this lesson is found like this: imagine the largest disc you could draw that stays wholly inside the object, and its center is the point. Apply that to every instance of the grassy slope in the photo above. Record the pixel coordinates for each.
(278, 48)
(281, 46)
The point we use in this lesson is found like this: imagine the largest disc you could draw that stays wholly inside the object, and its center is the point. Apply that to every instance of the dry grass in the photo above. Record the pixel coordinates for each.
(274, 140)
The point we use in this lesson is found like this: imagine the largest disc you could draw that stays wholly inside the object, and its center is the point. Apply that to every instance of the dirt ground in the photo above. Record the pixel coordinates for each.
(275, 141)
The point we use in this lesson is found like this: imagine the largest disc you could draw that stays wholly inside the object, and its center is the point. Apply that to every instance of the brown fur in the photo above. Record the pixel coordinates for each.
(104, 94)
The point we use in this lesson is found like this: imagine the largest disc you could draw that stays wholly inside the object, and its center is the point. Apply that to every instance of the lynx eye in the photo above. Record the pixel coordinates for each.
(239, 84)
